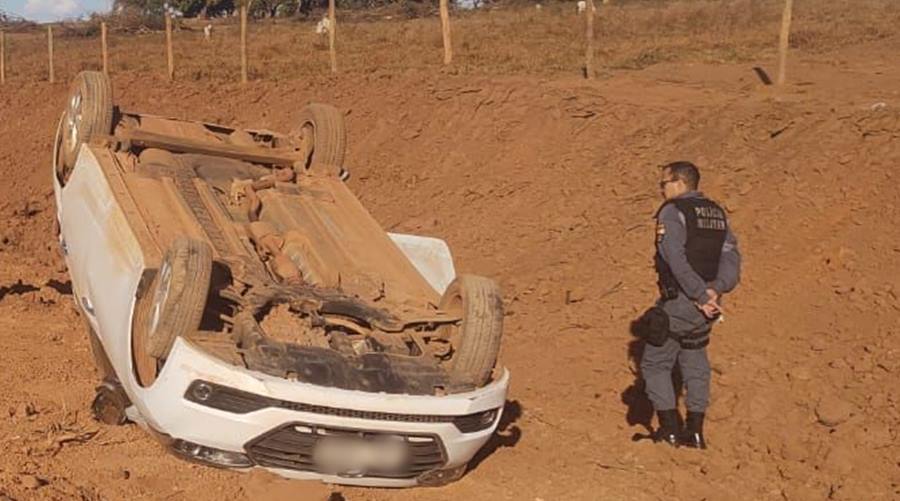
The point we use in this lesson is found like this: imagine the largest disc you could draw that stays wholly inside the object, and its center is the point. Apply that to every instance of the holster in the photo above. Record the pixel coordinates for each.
(654, 326)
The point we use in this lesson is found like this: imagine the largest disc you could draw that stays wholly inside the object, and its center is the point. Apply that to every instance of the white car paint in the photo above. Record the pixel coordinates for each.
(105, 265)
(430, 256)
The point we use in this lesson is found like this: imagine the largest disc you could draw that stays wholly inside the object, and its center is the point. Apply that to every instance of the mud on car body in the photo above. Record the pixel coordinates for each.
(244, 306)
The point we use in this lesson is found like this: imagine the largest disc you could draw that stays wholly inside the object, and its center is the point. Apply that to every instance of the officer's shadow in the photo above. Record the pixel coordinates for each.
(640, 410)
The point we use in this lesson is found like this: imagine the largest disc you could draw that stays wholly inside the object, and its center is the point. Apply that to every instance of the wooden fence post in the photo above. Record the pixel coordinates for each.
(784, 40)
(2, 57)
(589, 50)
(445, 31)
(104, 48)
(244, 42)
(332, 21)
(50, 52)
(170, 56)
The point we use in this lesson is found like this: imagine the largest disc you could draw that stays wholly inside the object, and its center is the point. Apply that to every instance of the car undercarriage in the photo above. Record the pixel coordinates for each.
(301, 281)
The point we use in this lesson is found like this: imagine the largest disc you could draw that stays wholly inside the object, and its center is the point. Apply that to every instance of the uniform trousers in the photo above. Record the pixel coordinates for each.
(657, 362)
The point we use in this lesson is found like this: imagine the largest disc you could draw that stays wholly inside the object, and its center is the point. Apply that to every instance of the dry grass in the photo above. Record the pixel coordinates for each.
(502, 40)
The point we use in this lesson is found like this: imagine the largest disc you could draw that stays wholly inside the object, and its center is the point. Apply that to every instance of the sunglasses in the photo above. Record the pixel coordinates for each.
(662, 184)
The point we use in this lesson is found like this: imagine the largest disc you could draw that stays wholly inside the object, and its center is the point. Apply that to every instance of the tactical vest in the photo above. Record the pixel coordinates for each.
(706, 227)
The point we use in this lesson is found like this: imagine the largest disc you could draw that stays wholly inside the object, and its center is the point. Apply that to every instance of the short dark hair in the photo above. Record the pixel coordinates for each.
(686, 171)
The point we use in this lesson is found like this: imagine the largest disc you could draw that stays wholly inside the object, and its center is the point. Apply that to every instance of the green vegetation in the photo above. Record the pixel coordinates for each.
(205, 8)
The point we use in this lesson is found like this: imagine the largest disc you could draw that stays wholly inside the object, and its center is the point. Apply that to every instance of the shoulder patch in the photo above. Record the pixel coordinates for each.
(660, 231)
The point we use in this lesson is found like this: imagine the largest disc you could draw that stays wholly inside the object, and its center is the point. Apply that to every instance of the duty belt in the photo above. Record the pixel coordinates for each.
(693, 341)
(668, 293)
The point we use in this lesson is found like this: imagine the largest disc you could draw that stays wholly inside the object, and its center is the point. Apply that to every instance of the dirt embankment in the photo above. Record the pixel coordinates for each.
(549, 186)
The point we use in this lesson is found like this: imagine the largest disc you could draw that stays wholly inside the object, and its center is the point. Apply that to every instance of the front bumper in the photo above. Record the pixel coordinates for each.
(168, 407)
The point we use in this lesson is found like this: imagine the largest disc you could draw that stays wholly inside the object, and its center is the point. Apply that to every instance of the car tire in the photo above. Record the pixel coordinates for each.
(476, 337)
(89, 112)
(172, 306)
(329, 139)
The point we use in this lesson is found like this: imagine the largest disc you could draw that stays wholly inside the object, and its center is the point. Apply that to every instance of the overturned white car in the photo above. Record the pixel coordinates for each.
(244, 306)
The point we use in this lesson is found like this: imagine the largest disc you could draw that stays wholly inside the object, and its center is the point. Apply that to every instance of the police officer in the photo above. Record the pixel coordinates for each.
(697, 261)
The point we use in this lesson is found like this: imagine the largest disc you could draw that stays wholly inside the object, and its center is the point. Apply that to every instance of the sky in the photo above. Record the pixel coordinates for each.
(52, 10)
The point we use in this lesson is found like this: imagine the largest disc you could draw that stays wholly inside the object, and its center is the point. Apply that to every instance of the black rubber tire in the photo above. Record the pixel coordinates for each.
(180, 307)
(190, 265)
(90, 110)
(330, 137)
(476, 339)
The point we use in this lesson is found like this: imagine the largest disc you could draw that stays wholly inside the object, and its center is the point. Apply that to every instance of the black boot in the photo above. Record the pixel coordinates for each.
(668, 427)
(692, 436)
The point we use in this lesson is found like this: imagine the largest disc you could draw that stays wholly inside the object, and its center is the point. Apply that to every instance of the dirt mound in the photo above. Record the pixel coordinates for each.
(549, 186)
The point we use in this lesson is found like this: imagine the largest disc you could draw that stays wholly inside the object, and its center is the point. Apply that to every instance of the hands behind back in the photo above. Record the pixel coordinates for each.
(711, 308)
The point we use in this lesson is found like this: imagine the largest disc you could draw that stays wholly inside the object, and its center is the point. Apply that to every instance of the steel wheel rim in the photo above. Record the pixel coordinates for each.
(73, 119)
(159, 298)
(308, 133)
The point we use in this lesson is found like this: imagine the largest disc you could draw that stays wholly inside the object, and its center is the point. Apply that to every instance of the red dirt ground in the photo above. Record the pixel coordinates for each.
(550, 187)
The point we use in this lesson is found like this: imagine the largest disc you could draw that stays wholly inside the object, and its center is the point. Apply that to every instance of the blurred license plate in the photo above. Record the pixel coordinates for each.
(357, 456)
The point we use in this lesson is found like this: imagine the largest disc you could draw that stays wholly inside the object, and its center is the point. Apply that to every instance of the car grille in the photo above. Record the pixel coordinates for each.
(291, 447)
(242, 402)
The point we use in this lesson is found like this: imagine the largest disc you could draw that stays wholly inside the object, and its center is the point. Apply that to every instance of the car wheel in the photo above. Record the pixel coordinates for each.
(172, 306)
(89, 112)
(475, 339)
(324, 136)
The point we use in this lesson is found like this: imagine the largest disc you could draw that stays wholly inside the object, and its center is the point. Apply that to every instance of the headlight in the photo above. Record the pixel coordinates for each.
(209, 455)
(476, 422)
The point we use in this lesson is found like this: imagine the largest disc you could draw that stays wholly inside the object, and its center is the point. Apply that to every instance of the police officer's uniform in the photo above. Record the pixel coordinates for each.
(695, 250)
